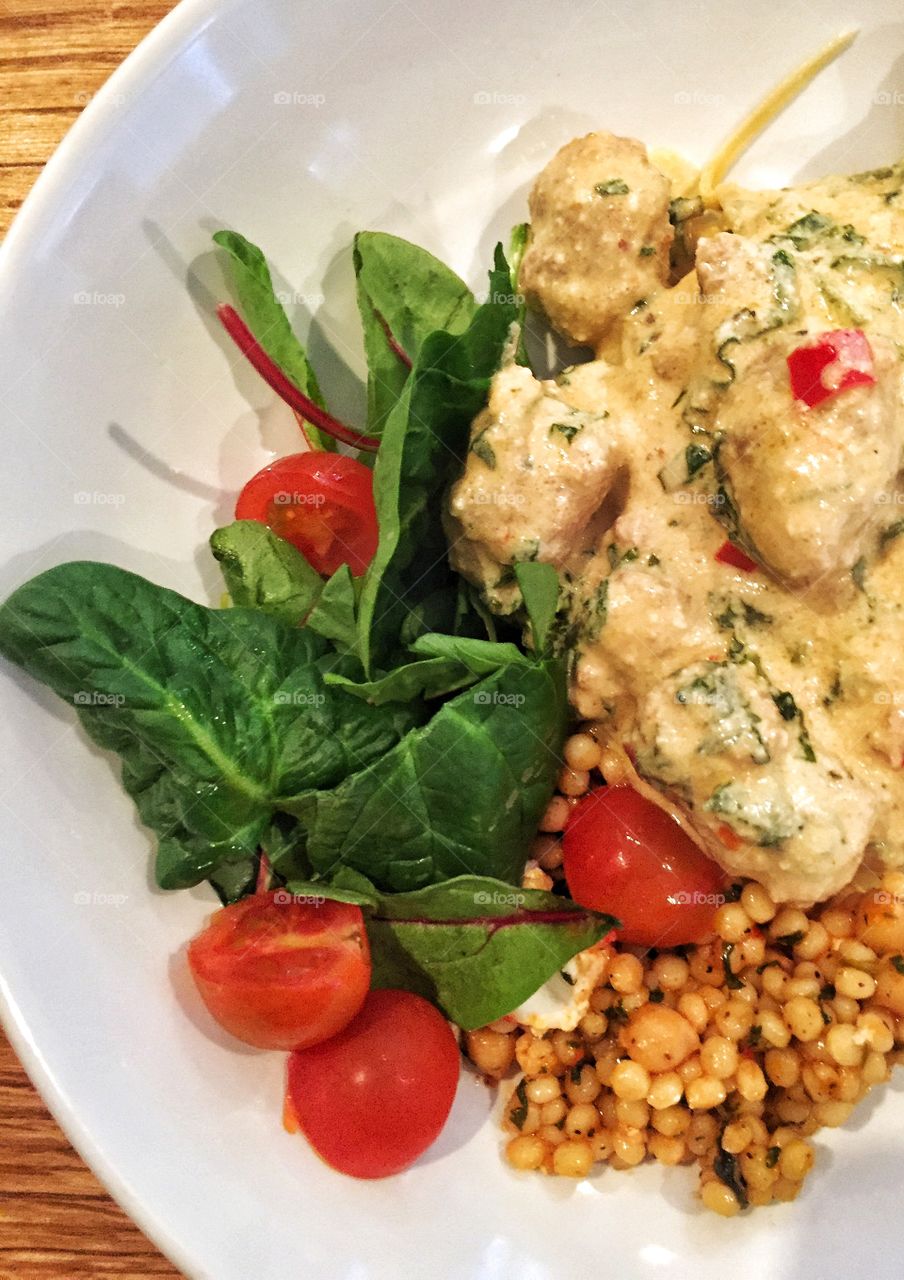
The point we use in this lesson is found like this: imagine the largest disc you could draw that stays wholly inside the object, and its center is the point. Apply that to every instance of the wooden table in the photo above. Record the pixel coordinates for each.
(56, 1220)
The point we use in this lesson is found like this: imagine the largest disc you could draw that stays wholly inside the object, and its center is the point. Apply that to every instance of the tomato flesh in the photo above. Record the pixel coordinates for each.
(323, 503)
(833, 362)
(282, 973)
(624, 855)
(376, 1096)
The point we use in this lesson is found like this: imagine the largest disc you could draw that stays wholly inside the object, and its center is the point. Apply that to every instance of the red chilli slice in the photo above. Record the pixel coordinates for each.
(729, 554)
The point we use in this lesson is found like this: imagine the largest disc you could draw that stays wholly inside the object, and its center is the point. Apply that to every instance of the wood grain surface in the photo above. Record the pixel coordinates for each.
(56, 1220)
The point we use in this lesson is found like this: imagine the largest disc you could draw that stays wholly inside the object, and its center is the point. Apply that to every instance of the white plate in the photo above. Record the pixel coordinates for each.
(127, 431)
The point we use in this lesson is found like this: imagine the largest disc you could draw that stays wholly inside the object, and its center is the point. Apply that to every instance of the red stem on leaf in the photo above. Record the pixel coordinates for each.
(395, 347)
(263, 874)
(246, 342)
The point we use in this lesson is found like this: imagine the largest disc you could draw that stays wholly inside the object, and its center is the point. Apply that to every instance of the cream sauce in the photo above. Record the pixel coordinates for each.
(765, 707)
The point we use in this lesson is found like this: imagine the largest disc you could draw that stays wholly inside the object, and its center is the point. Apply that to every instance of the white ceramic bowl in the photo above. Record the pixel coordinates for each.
(128, 427)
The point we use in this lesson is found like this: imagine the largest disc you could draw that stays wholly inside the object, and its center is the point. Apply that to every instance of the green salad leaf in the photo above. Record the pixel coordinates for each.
(266, 317)
(462, 794)
(423, 446)
(335, 614)
(476, 946)
(265, 572)
(220, 716)
(404, 295)
(539, 585)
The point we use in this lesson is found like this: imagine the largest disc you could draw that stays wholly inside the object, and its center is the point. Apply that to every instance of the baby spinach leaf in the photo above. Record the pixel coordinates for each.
(451, 663)
(476, 946)
(265, 572)
(220, 716)
(426, 678)
(265, 316)
(483, 657)
(462, 794)
(539, 585)
(335, 614)
(404, 294)
(423, 445)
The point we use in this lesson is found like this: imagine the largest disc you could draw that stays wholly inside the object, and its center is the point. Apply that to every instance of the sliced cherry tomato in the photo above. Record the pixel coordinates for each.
(376, 1096)
(280, 972)
(830, 364)
(624, 855)
(323, 503)
(728, 553)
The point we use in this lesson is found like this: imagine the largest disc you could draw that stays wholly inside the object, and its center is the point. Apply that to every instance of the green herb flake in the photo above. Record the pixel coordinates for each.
(656, 996)
(568, 429)
(827, 992)
(611, 187)
(727, 1170)
(898, 962)
(731, 979)
(482, 449)
(772, 1156)
(518, 1114)
(646, 251)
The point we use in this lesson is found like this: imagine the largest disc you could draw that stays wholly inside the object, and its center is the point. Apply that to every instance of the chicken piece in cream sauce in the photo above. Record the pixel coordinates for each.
(759, 694)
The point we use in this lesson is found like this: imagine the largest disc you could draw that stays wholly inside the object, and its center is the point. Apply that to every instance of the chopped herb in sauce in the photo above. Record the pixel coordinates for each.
(568, 429)
(482, 449)
(898, 962)
(731, 979)
(518, 1114)
(612, 187)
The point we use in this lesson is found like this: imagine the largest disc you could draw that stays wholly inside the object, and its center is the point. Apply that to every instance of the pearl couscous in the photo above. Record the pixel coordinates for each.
(729, 1055)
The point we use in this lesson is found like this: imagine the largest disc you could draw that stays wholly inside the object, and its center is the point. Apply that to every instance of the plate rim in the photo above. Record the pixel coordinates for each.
(165, 41)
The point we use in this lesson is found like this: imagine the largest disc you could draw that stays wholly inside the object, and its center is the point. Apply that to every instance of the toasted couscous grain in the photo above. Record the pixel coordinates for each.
(688, 1057)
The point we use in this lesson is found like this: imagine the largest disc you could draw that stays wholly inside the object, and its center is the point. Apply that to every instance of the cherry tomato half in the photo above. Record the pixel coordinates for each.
(624, 855)
(376, 1096)
(280, 972)
(323, 503)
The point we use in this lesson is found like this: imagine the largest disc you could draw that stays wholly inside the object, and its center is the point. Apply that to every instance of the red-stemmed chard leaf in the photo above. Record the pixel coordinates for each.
(246, 342)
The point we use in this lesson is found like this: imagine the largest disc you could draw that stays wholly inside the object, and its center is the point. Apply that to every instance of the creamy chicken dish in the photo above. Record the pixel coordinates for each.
(719, 491)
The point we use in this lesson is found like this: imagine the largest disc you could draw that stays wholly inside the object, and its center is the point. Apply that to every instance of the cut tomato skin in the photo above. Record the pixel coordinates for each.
(624, 855)
(321, 502)
(375, 1097)
(282, 973)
